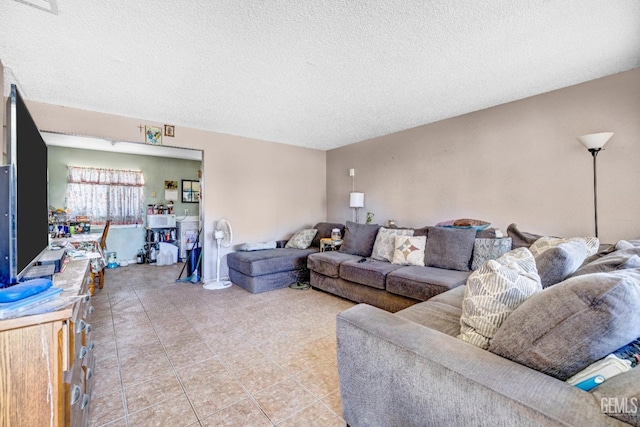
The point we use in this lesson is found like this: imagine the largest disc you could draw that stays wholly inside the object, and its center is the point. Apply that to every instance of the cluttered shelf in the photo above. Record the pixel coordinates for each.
(72, 282)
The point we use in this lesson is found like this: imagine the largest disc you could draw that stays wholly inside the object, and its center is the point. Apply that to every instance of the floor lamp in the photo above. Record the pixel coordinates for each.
(594, 143)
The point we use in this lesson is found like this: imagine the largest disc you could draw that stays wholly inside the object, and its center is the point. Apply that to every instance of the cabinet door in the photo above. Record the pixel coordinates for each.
(31, 376)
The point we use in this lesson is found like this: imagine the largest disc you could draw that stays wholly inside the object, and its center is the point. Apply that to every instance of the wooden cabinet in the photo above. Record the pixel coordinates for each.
(46, 360)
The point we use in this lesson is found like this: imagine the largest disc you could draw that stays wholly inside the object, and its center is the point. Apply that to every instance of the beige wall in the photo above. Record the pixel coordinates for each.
(515, 163)
(266, 190)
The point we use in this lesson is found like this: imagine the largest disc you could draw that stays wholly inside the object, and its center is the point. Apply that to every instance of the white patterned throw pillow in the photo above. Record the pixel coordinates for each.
(494, 291)
(384, 244)
(409, 250)
(544, 243)
(302, 239)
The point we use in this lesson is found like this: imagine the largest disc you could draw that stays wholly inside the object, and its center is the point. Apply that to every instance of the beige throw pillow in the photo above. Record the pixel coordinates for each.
(544, 243)
(493, 291)
(384, 246)
(302, 239)
(409, 250)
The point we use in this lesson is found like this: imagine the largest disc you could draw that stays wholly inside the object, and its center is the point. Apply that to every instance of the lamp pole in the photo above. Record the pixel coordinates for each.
(594, 152)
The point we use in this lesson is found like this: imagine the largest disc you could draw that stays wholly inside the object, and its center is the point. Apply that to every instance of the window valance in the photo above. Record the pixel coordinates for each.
(85, 175)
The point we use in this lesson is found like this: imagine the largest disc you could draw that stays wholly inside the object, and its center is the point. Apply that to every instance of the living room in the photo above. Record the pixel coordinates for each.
(504, 162)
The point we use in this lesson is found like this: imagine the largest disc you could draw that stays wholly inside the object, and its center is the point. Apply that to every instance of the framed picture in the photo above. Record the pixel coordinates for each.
(153, 135)
(171, 190)
(190, 191)
(169, 131)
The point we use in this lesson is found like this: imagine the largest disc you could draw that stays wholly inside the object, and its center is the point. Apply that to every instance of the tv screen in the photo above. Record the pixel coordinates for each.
(27, 192)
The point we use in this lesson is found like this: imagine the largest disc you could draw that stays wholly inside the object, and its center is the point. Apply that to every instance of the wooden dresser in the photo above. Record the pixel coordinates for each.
(46, 360)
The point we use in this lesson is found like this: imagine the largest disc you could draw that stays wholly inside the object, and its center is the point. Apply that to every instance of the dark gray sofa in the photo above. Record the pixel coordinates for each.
(265, 270)
(379, 283)
(388, 286)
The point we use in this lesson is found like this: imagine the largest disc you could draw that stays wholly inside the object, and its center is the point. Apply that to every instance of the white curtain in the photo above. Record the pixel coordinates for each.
(105, 193)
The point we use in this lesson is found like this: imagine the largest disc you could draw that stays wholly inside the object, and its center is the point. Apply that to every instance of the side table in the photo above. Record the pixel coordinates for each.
(328, 244)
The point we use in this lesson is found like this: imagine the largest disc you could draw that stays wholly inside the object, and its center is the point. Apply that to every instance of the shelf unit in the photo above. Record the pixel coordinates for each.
(153, 238)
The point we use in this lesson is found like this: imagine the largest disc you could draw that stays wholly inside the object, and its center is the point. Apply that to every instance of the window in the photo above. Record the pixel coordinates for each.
(105, 193)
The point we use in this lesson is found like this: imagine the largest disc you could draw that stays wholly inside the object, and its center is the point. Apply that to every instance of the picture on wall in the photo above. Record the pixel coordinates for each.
(171, 190)
(153, 135)
(190, 191)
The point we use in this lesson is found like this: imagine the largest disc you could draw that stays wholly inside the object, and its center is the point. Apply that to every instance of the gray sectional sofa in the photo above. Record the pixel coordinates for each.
(355, 273)
(410, 368)
(264, 270)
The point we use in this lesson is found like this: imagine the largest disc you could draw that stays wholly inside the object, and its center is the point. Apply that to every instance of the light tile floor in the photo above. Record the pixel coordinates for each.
(174, 354)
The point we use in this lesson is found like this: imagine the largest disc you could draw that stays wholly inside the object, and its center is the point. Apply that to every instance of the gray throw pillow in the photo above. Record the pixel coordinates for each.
(486, 249)
(618, 260)
(359, 238)
(566, 327)
(559, 262)
(521, 238)
(450, 248)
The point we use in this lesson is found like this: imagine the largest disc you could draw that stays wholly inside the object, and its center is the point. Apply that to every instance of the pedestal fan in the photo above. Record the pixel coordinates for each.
(223, 236)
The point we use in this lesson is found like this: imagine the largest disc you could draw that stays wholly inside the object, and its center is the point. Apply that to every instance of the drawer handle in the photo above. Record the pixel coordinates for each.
(81, 326)
(89, 373)
(89, 328)
(92, 345)
(75, 394)
(86, 298)
(91, 309)
(85, 401)
(83, 352)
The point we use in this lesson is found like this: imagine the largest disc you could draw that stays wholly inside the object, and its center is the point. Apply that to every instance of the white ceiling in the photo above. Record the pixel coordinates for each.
(313, 73)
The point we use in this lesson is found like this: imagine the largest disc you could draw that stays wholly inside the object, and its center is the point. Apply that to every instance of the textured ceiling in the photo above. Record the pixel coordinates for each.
(313, 73)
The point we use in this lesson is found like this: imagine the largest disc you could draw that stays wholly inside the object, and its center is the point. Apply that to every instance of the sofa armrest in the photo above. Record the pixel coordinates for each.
(394, 372)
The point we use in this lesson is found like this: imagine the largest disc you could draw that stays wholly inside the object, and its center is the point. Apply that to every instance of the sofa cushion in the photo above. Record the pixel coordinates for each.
(302, 239)
(486, 249)
(328, 262)
(359, 238)
(324, 231)
(546, 243)
(563, 329)
(494, 291)
(450, 248)
(627, 244)
(258, 246)
(521, 238)
(442, 312)
(409, 250)
(258, 263)
(422, 283)
(559, 262)
(384, 245)
(371, 273)
(422, 231)
(618, 260)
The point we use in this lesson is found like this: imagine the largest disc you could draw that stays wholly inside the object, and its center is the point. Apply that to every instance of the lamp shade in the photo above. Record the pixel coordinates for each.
(356, 200)
(595, 141)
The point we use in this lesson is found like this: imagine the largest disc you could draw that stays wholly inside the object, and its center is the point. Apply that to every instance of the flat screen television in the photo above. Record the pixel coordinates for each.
(24, 194)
